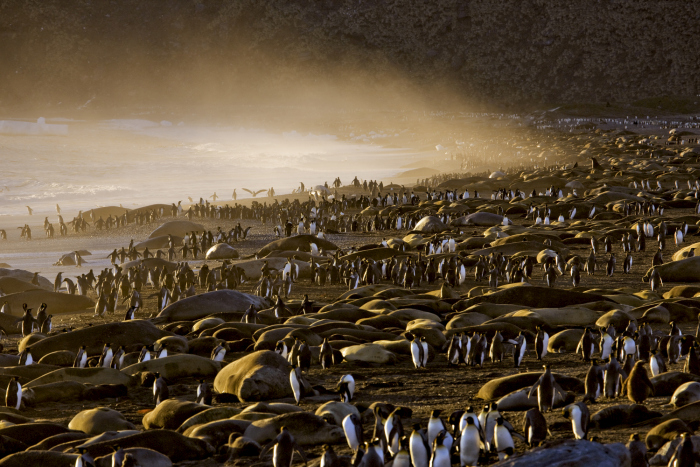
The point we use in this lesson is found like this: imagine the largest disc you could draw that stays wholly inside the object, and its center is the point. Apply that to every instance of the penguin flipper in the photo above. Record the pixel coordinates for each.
(533, 389)
(513, 433)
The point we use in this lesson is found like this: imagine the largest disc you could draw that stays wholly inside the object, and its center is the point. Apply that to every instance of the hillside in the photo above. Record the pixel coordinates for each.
(186, 52)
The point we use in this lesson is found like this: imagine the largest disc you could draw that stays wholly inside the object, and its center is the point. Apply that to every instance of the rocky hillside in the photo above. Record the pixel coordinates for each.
(132, 52)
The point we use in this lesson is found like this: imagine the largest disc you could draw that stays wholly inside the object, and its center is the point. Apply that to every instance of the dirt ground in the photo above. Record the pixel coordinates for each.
(436, 387)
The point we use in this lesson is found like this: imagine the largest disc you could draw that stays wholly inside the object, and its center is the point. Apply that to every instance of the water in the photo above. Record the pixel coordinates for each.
(140, 162)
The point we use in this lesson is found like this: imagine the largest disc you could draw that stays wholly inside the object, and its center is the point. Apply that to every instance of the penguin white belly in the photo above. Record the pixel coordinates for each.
(350, 435)
(441, 458)
(419, 454)
(576, 423)
(19, 396)
(654, 365)
(469, 447)
(296, 386)
(415, 355)
(503, 441)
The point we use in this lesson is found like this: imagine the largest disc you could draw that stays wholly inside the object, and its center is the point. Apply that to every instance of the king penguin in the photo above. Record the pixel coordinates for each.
(13, 395)
(579, 415)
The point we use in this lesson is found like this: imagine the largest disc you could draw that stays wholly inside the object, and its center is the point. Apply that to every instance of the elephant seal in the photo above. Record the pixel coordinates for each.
(429, 224)
(55, 440)
(297, 242)
(30, 372)
(499, 387)
(564, 341)
(222, 251)
(261, 375)
(142, 456)
(10, 285)
(622, 415)
(687, 393)
(95, 375)
(52, 458)
(177, 447)
(368, 353)
(57, 302)
(53, 392)
(334, 412)
(521, 400)
(537, 297)
(10, 446)
(666, 431)
(217, 432)
(666, 383)
(683, 270)
(58, 358)
(94, 337)
(32, 433)
(98, 420)
(171, 413)
(179, 228)
(174, 367)
(26, 276)
(209, 415)
(307, 429)
(200, 306)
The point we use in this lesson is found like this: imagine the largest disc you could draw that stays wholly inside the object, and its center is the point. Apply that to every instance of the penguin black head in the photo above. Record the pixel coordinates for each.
(435, 413)
(416, 427)
(499, 421)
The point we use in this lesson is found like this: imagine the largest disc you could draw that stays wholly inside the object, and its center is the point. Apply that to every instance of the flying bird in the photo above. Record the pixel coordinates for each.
(30, 210)
(254, 193)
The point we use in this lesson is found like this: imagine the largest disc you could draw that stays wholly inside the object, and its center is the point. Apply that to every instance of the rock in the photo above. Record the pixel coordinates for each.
(94, 337)
(174, 367)
(219, 301)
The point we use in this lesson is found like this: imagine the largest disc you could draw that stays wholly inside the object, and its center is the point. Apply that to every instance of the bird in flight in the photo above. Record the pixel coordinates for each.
(254, 193)
(30, 210)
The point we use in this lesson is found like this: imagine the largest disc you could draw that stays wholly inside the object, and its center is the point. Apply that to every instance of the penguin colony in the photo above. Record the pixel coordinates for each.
(547, 316)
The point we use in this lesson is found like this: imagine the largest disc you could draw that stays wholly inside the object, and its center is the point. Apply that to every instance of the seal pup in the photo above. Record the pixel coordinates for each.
(534, 427)
(579, 415)
(283, 448)
(160, 389)
(13, 394)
